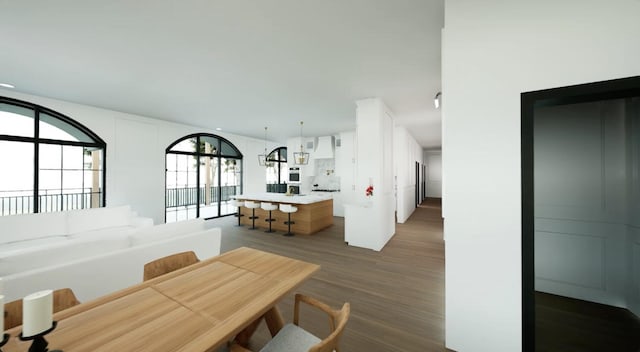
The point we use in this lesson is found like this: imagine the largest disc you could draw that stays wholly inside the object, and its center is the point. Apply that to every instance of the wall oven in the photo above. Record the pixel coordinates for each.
(294, 175)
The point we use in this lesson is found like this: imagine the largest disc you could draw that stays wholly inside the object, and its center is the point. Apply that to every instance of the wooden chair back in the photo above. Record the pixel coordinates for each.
(337, 322)
(168, 264)
(62, 299)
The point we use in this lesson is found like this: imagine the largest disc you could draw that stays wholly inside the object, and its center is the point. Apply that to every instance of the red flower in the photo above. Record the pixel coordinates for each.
(369, 191)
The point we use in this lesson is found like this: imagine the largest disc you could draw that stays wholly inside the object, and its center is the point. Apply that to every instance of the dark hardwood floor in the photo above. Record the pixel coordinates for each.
(396, 295)
(567, 325)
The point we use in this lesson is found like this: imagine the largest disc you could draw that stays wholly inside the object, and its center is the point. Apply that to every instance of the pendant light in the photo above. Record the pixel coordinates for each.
(301, 158)
(262, 158)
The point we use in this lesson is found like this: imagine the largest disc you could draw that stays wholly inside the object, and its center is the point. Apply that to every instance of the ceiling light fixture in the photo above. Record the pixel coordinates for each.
(218, 129)
(436, 100)
(262, 158)
(301, 158)
(7, 85)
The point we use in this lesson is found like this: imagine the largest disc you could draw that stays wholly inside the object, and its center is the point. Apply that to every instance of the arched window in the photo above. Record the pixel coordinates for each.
(202, 172)
(277, 170)
(48, 162)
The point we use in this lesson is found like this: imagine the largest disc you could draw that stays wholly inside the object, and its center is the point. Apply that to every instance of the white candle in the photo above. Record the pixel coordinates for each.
(2, 317)
(37, 313)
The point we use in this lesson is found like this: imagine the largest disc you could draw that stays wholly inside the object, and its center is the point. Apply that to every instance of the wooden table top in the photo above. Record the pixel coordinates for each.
(197, 308)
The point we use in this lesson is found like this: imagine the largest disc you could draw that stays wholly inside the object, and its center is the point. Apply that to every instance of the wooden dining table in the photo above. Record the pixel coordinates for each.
(197, 308)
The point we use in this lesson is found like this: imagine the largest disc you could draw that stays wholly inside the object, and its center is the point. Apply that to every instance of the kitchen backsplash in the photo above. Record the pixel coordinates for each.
(325, 175)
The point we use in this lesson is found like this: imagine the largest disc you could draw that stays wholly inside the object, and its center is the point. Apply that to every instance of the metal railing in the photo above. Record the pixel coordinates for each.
(181, 197)
(48, 202)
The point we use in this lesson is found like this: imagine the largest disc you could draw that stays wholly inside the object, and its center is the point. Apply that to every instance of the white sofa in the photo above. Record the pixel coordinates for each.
(94, 265)
(31, 241)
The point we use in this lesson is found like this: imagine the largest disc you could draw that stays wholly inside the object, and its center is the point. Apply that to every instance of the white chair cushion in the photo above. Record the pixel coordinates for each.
(252, 205)
(291, 338)
(268, 206)
(237, 203)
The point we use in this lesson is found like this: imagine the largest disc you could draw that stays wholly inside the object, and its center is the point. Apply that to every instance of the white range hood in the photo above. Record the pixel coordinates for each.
(324, 148)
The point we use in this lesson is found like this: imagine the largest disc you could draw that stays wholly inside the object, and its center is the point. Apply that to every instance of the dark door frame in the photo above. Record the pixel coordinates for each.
(417, 193)
(597, 91)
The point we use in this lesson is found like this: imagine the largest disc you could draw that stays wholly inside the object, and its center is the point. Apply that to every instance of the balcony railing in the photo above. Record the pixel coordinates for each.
(21, 202)
(186, 196)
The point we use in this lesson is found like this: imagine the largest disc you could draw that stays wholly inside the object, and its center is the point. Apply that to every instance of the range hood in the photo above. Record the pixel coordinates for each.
(324, 148)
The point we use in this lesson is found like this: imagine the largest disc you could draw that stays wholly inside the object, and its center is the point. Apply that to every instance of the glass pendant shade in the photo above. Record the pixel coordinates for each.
(262, 158)
(301, 158)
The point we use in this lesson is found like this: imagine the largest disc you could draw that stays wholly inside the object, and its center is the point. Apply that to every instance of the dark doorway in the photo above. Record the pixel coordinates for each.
(424, 181)
(417, 193)
(582, 142)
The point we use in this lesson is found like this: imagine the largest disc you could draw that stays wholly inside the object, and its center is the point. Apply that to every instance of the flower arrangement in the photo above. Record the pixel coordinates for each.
(369, 191)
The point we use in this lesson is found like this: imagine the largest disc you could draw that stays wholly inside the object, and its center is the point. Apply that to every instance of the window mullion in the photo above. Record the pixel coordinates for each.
(36, 161)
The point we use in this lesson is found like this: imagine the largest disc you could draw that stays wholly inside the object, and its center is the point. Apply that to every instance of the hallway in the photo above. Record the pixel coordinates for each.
(396, 295)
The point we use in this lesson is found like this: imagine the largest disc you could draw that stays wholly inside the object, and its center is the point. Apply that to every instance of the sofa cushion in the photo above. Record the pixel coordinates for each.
(85, 220)
(106, 233)
(32, 226)
(60, 252)
(17, 247)
(164, 231)
(97, 275)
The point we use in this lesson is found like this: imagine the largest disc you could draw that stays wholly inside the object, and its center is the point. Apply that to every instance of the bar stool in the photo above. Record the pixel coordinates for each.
(288, 208)
(253, 206)
(238, 203)
(269, 207)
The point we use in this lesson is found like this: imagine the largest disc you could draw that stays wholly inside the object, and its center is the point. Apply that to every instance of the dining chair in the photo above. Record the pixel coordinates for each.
(168, 264)
(62, 299)
(293, 338)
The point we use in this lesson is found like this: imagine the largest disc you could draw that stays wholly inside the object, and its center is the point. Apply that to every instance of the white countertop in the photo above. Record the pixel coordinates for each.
(281, 198)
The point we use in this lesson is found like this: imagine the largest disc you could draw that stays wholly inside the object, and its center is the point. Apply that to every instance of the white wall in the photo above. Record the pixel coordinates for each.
(136, 152)
(370, 222)
(493, 51)
(433, 161)
(406, 152)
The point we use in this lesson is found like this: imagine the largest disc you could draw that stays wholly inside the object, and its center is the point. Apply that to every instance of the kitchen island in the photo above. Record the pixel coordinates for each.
(315, 212)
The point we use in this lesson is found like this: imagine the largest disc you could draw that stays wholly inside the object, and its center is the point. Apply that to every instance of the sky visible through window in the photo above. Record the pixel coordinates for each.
(64, 169)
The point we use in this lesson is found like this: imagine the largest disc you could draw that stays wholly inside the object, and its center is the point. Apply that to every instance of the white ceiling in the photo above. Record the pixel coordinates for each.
(236, 64)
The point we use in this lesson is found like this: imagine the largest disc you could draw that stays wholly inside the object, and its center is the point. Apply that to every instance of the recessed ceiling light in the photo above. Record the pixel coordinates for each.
(7, 85)
(218, 129)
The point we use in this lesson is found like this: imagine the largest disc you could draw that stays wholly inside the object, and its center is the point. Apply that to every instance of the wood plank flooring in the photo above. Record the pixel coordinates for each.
(397, 294)
(567, 324)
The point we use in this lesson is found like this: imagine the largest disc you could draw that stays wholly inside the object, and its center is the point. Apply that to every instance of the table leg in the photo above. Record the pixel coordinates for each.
(244, 336)
(274, 320)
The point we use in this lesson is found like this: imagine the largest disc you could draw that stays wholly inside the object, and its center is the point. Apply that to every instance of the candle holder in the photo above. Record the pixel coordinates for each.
(39, 343)
(5, 339)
